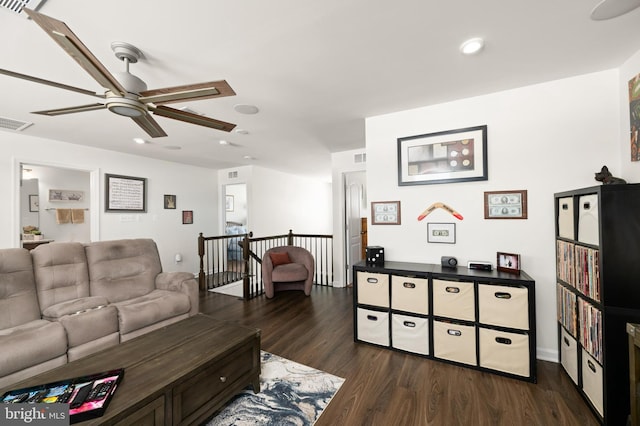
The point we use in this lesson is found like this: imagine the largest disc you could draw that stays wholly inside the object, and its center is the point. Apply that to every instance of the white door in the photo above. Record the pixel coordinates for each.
(354, 194)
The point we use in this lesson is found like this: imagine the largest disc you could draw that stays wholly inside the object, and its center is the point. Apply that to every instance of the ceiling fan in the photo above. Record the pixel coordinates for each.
(126, 94)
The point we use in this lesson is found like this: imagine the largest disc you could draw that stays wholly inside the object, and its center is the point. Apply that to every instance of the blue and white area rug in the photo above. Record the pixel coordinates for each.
(290, 394)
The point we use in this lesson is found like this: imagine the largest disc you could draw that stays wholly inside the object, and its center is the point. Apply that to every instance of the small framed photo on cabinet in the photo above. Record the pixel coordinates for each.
(508, 262)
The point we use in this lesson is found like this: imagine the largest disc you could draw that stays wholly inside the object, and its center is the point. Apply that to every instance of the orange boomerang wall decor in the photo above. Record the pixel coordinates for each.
(439, 205)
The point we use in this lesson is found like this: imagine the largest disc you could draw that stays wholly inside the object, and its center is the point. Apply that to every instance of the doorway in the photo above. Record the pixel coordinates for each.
(355, 211)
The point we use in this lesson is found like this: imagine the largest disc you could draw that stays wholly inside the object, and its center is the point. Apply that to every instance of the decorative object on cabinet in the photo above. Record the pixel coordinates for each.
(169, 201)
(375, 255)
(187, 217)
(385, 213)
(505, 204)
(448, 262)
(605, 176)
(125, 194)
(597, 272)
(443, 157)
(439, 205)
(483, 320)
(441, 233)
(508, 262)
(634, 117)
(65, 195)
(34, 203)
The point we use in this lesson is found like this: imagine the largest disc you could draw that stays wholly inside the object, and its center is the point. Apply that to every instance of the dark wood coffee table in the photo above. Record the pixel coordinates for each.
(179, 374)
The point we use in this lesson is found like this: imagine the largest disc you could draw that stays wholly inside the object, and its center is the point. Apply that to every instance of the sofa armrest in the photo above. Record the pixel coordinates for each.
(74, 306)
(183, 282)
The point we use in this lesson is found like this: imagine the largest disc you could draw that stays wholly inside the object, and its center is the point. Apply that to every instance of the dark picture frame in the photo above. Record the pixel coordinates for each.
(125, 194)
(508, 262)
(441, 232)
(187, 217)
(505, 204)
(385, 213)
(443, 157)
(170, 202)
(34, 203)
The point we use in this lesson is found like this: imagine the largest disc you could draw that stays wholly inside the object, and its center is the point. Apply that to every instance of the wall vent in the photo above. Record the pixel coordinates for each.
(232, 175)
(16, 6)
(11, 124)
(360, 158)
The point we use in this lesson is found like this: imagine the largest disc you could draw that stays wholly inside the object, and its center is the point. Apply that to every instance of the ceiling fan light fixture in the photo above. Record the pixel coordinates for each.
(472, 46)
(608, 9)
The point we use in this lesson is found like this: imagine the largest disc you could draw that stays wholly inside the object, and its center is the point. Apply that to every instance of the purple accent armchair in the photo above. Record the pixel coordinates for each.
(296, 275)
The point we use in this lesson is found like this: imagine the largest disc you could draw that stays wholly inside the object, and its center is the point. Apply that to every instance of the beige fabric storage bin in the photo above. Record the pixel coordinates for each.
(565, 218)
(502, 351)
(373, 289)
(588, 220)
(454, 299)
(373, 326)
(455, 342)
(410, 333)
(504, 306)
(569, 354)
(410, 294)
(592, 381)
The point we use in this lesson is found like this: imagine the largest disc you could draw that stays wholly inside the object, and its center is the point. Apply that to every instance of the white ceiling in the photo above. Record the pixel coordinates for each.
(315, 69)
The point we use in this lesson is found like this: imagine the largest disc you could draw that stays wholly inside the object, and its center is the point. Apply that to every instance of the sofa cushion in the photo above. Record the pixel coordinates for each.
(18, 298)
(122, 269)
(30, 344)
(90, 325)
(60, 271)
(289, 272)
(151, 308)
(74, 306)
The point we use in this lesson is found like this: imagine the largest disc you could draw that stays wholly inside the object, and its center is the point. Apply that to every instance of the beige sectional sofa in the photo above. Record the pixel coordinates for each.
(63, 301)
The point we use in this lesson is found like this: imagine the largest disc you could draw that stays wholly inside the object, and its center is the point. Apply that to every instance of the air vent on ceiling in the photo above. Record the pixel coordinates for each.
(11, 124)
(232, 175)
(16, 6)
(360, 158)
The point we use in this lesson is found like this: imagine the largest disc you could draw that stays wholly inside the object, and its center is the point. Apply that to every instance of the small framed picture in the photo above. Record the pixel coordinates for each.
(229, 203)
(34, 203)
(169, 201)
(508, 262)
(505, 204)
(441, 233)
(187, 217)
(385, 212)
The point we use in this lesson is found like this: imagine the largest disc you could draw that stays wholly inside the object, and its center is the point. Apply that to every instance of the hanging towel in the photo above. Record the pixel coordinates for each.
(77, 215)
(63, 216)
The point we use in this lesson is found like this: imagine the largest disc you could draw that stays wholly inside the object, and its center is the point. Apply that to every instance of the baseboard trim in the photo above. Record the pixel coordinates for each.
(551, 355)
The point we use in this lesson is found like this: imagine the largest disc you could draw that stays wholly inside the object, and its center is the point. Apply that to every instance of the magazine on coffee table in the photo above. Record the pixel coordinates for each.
(87, 396)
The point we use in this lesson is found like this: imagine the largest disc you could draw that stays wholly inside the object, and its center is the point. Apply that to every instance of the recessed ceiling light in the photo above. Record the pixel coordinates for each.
(223, 142)
(608, 9)
(248, 157)
(173, 147)
(139, 141)
(246, 109)
(242, 131)
(472, 46)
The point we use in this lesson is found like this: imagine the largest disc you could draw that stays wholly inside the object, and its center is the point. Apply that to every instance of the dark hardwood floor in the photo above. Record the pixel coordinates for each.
(385, 387)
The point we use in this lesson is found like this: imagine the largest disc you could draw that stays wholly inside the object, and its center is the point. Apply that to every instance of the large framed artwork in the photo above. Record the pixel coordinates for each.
(125, 194)
(443, 157)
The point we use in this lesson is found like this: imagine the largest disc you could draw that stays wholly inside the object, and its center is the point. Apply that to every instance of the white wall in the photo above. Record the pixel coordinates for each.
(195, 188)
(628, 70)
(545, 138)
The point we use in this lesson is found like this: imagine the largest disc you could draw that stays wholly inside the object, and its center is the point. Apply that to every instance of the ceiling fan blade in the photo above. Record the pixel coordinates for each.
(188, 117)
(188, 92)
(62, 34)
(70, 110)
(50, 83)
(149, 125)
